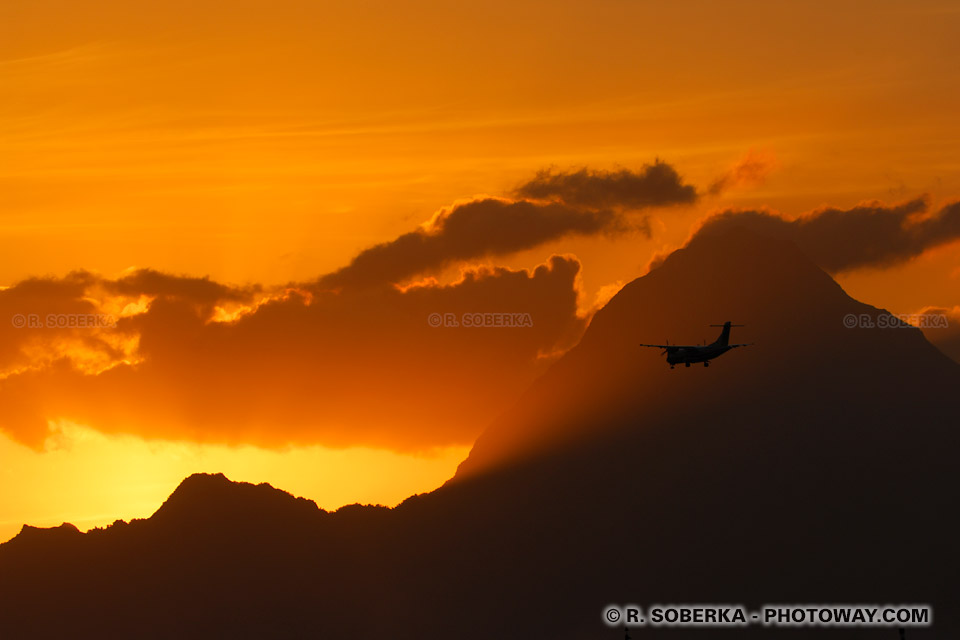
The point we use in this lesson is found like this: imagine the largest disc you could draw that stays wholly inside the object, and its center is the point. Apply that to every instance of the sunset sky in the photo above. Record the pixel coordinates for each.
(206, 173)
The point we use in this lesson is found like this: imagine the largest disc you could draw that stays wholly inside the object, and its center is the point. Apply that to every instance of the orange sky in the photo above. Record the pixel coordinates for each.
(271, 142)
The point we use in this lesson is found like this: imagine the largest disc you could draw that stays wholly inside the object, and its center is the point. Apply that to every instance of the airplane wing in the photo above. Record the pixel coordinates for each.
(669, 346)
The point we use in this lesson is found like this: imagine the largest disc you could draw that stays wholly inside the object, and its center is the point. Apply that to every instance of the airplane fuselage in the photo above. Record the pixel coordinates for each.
(683, 355)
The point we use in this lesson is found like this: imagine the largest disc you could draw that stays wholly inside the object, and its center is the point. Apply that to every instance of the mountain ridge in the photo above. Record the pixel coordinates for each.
(814, 466)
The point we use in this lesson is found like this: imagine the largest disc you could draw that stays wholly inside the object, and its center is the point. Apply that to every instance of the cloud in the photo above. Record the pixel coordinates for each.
(37, 316)
(347, 359)
(548, 207)
(467, 231)
(294, 365)
(868, 235)
(750, 170)
(352, 358)
(941, 326)
(655, 185)
(201, 291)
(24, 305)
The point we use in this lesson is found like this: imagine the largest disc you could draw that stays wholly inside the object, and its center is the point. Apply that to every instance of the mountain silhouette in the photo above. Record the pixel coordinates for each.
(817, 466)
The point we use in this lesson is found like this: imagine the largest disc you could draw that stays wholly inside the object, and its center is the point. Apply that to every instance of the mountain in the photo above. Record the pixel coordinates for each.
(816, 466)
(804, 358)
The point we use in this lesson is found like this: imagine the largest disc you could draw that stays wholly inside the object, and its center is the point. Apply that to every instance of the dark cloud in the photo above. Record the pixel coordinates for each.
(868, 235)
(467, 231)
(549, 207)
(29, 303)
(36, 315)
(298, 365)
(202, 291)
(654, 185)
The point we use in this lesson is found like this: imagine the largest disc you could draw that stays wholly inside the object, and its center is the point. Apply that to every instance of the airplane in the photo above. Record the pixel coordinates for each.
(688, 354)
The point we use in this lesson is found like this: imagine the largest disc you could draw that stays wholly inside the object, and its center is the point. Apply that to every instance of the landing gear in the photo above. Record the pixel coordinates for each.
(687, 364)
(671, 366)
(706, 364)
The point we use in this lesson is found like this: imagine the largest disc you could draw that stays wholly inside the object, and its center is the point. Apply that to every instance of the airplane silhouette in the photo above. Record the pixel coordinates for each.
(688, 354)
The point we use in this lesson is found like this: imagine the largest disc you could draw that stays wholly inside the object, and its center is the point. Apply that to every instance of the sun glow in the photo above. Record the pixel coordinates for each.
(90, 479)
(247, 153)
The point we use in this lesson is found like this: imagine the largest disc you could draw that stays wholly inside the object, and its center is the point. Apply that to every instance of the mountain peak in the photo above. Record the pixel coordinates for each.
(808, 339)
(44, 537)
(63, 531)
(204, 497)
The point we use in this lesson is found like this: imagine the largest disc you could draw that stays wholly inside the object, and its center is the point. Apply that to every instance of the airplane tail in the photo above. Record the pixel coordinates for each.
(724, 338)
